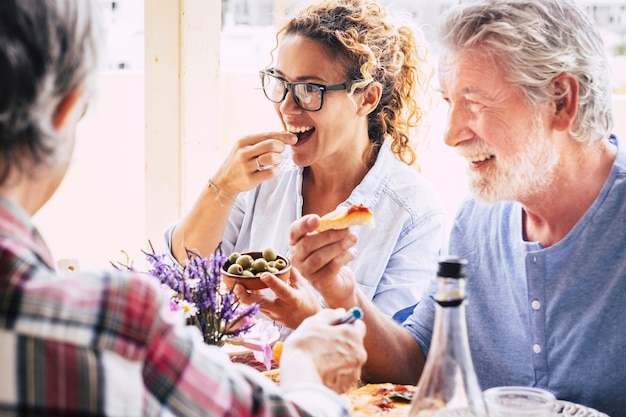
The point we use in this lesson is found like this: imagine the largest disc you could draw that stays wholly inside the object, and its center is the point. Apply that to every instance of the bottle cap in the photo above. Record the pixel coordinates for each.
(452, 267)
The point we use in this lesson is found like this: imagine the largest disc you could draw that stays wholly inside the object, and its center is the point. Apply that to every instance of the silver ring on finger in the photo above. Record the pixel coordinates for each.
(259, 167)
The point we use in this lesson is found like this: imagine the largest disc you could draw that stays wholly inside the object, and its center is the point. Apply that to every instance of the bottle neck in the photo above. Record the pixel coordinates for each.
(450, 328)
(450, 291)
(449, 352)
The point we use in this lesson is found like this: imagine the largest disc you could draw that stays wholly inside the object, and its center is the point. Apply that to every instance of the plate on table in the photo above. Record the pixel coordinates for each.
(391, 400)
(566, 408)
(251, 357)
(264, 331)
(235, 350)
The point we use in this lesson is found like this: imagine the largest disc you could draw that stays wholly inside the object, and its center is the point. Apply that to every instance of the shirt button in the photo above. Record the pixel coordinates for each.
(536, 305)
(536, 348)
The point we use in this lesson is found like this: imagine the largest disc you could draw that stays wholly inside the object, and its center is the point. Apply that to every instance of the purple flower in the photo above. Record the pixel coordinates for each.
(196, 288)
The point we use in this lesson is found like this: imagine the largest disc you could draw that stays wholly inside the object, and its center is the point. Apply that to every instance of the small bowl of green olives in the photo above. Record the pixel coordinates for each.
(246, 268)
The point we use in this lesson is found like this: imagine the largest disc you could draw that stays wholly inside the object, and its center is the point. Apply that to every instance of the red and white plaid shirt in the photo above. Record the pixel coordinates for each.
(103, 344)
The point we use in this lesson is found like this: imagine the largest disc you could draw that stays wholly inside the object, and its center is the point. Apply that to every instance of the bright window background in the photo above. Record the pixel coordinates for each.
(100, 209)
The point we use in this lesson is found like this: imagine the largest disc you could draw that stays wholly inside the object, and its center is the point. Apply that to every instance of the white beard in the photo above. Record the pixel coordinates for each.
(517, 178)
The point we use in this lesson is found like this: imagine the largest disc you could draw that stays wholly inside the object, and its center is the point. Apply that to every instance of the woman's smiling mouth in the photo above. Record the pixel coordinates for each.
(302, 132)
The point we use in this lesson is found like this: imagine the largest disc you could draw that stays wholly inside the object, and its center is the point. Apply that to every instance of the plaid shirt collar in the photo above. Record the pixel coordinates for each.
(16, 226)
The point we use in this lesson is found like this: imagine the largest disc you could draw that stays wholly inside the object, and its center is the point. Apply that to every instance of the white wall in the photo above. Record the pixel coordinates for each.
(99, 208)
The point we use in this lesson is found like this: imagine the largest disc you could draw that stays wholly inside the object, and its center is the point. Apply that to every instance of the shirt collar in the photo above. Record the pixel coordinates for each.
(16, 224)
(367, 192)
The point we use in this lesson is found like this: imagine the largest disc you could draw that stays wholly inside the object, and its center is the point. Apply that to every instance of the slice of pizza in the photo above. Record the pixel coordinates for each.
(342, 217)
(377, 400)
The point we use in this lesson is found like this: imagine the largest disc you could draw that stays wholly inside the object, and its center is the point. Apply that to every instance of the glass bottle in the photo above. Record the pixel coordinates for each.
(448, 385)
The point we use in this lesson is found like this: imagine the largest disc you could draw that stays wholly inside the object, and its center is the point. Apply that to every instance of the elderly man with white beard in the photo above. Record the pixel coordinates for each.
(529, 94)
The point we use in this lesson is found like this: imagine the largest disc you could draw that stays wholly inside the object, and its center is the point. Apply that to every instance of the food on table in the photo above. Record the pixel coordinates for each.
(371, 400)
(343, 217)
(277, 350)
(377, 400)
(273, 374)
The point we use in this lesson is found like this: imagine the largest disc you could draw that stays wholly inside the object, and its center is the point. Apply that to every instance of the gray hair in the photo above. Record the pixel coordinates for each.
(48, 48)
(534, 41)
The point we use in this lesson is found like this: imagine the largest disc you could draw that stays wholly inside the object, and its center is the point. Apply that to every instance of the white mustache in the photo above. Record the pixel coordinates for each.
(476, 152)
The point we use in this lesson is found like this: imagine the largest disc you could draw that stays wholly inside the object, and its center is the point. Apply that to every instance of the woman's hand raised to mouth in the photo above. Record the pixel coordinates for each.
(253, 159)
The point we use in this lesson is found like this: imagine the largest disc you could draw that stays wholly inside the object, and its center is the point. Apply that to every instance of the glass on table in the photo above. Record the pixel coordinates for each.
(519, 402)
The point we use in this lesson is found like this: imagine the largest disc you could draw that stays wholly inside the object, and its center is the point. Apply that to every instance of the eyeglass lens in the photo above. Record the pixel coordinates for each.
(307, 96)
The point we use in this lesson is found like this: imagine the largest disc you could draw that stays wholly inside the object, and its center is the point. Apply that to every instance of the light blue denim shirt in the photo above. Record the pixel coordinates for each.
(551, 317)
(395, 260)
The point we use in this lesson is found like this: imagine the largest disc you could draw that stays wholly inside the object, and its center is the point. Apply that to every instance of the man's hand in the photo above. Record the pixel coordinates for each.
(320, 350)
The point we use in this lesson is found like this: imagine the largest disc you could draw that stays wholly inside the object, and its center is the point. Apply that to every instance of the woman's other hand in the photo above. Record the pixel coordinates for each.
(322, 258)
(288, 303)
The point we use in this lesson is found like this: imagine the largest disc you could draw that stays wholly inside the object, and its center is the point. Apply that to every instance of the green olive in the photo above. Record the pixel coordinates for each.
(259, 265)
(272, 270)
(247, 273)
(269, 254)
(245, 261)
(235, 269)
(233, 257)
(280, 264)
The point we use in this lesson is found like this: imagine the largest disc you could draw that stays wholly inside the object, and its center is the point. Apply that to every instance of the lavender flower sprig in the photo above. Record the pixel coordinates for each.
(196, 289)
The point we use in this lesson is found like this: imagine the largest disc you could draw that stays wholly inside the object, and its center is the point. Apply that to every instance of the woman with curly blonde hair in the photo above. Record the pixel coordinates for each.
(343, 82)
(360, 39)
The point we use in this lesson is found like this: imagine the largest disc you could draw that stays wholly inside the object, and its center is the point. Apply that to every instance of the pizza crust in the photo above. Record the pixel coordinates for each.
(344, 217)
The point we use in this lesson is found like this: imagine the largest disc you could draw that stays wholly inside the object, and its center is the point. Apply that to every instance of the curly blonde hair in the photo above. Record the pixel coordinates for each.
(362, 40)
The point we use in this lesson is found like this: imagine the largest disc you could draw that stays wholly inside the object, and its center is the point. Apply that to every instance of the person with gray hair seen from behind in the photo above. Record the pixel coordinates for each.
(105, 343)
(529, 108)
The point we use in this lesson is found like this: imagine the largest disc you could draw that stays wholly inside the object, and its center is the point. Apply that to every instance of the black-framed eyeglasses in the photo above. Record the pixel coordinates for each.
(308, 96)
